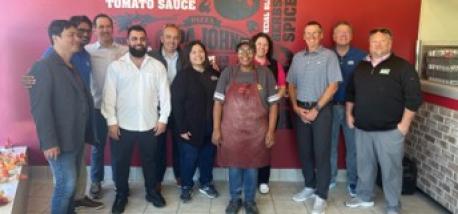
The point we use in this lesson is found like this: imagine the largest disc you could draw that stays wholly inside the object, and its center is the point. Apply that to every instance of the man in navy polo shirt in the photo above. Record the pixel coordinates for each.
(349, 58)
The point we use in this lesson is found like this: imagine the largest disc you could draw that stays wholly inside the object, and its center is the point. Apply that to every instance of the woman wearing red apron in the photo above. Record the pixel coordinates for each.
(244, 119)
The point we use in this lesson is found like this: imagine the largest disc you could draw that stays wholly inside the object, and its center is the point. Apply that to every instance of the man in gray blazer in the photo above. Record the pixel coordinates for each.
(61, 107)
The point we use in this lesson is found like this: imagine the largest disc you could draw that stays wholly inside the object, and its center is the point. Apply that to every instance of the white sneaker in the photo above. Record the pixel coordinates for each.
(358, 202)
(319, 206)
(264, 188)
(303, 195)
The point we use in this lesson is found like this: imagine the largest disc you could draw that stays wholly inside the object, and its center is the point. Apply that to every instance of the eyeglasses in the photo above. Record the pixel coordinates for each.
(247, 52)
(82, 30)
(310, 34)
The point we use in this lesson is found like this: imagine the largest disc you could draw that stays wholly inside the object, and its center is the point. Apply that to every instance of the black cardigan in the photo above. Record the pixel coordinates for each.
(192, 102)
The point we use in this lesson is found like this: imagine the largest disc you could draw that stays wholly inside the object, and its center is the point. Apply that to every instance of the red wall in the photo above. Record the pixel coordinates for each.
(23, 38)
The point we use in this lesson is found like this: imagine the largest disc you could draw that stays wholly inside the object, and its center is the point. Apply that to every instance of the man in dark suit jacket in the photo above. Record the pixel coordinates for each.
(61, 106)
(171, 57)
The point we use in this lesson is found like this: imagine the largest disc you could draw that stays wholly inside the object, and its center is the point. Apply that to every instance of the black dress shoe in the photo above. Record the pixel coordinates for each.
(119, 205)
(251, 208)
(234, 206)
(155, 198)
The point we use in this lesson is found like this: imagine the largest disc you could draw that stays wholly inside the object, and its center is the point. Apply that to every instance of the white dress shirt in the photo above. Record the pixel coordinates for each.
(132, 95)
(101, 57)
(171, 65)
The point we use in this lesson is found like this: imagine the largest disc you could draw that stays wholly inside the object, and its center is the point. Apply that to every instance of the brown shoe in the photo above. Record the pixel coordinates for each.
(89, 203)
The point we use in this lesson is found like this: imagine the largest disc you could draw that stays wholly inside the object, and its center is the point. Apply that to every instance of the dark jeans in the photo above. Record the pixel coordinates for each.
(65, 172)
(314, 145)
(98, 150)
(162, 153)
(264, 174)
(192, 157)
(121, 155)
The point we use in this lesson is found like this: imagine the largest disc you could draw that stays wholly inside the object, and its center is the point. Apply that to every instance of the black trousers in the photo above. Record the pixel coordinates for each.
(314, 145)
(162, 155)
(121, 155)
(264, 174)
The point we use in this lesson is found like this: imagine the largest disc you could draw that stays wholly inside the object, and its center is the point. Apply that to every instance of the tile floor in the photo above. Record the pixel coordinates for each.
(278, 201)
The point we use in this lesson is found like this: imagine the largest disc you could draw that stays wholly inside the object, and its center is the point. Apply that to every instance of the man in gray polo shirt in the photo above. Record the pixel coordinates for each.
(313, 79)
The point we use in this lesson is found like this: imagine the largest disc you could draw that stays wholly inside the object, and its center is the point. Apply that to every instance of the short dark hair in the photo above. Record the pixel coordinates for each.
(102, 15)
(313, 22)
(136, 28)
(56, 27)
(270, 51)
(77, 20)
(343, 22)
(188, 50)
(385, 31)
(244, 42)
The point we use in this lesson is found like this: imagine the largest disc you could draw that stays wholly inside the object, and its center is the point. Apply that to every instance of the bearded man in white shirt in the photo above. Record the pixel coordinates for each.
(135, 86)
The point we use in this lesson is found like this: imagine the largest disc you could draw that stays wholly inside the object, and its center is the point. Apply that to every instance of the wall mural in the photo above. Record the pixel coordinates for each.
(220, 24)
(212, 23)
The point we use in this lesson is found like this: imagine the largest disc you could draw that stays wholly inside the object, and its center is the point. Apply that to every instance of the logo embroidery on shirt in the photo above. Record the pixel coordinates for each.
(385, 71)
(214, 78)
(350, 62)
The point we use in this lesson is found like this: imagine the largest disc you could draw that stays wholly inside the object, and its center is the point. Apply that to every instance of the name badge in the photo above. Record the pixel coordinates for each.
(385, 71)
(350, 62)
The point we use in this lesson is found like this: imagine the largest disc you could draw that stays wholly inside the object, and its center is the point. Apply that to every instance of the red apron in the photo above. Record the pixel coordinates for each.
(243, 127)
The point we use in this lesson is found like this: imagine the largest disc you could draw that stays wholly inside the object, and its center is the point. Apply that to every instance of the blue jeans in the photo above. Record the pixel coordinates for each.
(98, 150)
(339, 119)
(245, 177)
(65, 173)
(192, 157)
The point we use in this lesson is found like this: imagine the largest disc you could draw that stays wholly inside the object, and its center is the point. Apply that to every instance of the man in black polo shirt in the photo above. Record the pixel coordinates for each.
(382, 98)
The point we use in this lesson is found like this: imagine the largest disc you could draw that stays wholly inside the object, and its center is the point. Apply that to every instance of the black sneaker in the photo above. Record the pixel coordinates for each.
(89, 203)
(156, 199)
(186, 194)
(119, 205)
(234, 206)
(96, 190)
(251, 208)
(209, 191)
